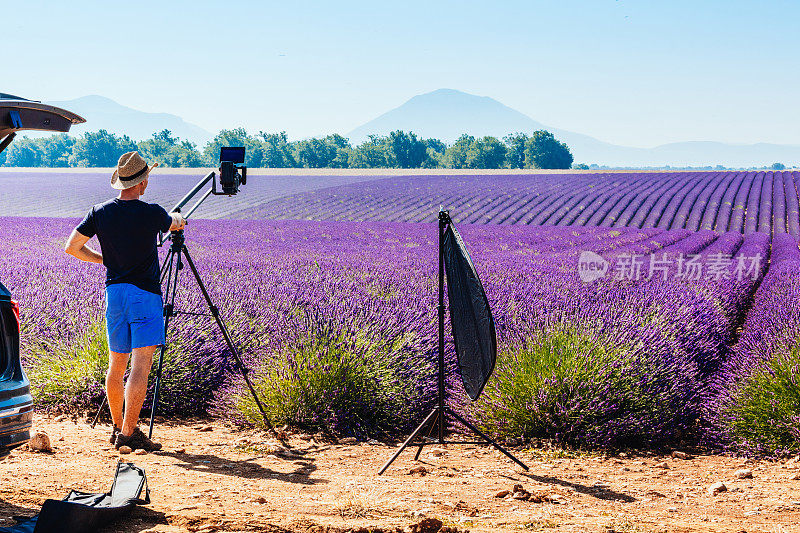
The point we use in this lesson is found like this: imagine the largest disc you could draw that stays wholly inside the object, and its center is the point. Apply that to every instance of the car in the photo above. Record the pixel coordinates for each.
(16, 404)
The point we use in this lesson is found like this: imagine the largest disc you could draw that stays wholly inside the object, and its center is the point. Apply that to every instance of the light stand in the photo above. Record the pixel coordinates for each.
(437, 418)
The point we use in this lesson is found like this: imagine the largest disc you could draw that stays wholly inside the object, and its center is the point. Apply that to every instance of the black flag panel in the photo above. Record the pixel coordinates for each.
(470, 316)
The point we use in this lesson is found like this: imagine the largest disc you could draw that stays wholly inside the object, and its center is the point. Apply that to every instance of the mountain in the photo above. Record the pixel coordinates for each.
(105, 114)
(446, 113)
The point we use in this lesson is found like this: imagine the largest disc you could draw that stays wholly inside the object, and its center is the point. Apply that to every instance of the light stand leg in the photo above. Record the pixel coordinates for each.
(432, 427)
(486, 438)
(409, 439)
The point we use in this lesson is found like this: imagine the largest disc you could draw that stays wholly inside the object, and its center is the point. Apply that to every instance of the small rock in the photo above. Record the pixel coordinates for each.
(663, 465)
(438, 452)
(679, 455)
(794, 477)
(40, 442)
(180, 450)
(623, 455)
(259, 499)
(349, 441)
(125, 450)
(555, 498)
(521, 495)
(205, 428)
(426, 525)
(744, 473)
(672, 509)
(502, 494)
(140, 451)
(421, 470)
(60, 418)
(716, 488)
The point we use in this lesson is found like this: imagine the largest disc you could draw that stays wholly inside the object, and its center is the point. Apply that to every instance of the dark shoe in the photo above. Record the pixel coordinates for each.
(114, 433)
(137, 441)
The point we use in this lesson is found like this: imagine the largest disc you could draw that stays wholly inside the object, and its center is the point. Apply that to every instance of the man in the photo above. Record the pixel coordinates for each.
(127, 230)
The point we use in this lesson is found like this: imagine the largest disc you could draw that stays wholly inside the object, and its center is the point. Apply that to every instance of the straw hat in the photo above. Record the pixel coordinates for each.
(131, 170)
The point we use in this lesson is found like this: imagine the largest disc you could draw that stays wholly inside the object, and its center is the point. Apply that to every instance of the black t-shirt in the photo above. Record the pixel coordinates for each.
(127, 231)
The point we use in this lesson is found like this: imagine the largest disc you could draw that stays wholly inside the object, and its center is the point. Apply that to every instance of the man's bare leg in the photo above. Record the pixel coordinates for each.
(115, 387)
(136, 387)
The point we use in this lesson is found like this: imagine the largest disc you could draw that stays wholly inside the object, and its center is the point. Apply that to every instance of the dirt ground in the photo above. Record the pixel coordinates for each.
(211, 477)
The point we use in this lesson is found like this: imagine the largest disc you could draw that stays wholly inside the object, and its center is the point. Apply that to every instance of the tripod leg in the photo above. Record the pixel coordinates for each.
(99, 410)
(171, 271)
(487, 439)
(156, 390)
(409, 439)
(242, 369)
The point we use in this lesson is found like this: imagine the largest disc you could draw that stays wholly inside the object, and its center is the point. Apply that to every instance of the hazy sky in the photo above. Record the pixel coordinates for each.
(638, 73)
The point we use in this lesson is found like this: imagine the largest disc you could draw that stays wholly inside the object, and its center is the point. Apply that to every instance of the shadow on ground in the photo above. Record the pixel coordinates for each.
(301, 474)
(601, 493)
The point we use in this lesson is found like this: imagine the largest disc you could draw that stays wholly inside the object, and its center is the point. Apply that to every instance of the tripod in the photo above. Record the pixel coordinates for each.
(170, 269)
(437, 418)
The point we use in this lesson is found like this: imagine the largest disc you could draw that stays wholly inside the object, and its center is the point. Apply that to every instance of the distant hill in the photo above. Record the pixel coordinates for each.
(446, 113)
(105, 114)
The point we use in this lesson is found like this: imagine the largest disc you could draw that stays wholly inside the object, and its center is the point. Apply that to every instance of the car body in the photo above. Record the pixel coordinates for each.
(19, 114)
(16, 404)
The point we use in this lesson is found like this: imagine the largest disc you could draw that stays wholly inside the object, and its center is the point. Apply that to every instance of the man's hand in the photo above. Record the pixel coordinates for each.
(178, 222)
(76, 246)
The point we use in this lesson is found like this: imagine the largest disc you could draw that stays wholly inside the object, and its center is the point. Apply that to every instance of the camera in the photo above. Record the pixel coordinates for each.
(232, 171)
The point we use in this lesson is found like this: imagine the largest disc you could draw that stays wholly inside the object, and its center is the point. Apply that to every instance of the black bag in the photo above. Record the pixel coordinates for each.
(470, 316)
(86, 512)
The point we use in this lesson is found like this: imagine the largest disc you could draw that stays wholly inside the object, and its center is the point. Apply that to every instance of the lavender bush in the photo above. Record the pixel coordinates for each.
(757, 406)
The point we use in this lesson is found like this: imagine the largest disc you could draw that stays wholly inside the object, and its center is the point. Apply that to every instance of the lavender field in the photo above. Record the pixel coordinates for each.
(721, 201)
(743, 202)
(337, 321)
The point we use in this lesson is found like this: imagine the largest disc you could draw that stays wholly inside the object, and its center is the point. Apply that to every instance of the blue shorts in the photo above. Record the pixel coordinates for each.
(134, 318)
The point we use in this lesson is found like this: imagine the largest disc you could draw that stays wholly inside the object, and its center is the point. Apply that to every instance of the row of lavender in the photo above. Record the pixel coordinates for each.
(746, 202)
(338, 322)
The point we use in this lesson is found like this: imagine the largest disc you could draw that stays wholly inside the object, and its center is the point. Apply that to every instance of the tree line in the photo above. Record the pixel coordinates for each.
(399, 149)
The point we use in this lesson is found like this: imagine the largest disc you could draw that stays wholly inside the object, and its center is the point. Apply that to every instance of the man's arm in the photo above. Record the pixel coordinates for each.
(76, 246)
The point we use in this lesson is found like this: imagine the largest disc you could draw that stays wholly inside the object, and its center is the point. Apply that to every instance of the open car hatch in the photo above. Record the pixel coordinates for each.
(18, 114)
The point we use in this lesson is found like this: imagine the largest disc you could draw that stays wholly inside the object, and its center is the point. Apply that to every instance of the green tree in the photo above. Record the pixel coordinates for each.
(315, 153)
(187, 155)
(24, 152)
(486, 152)
(543, 150)
(342, 147)
(406, 150)
(434, 153)
(515, 149)
(778, 166)
(160, 148)
(580, 166)
(277, 150)
(56, 150)
(370, 154)
(254, 149)
(100, 149)
(457, 155)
